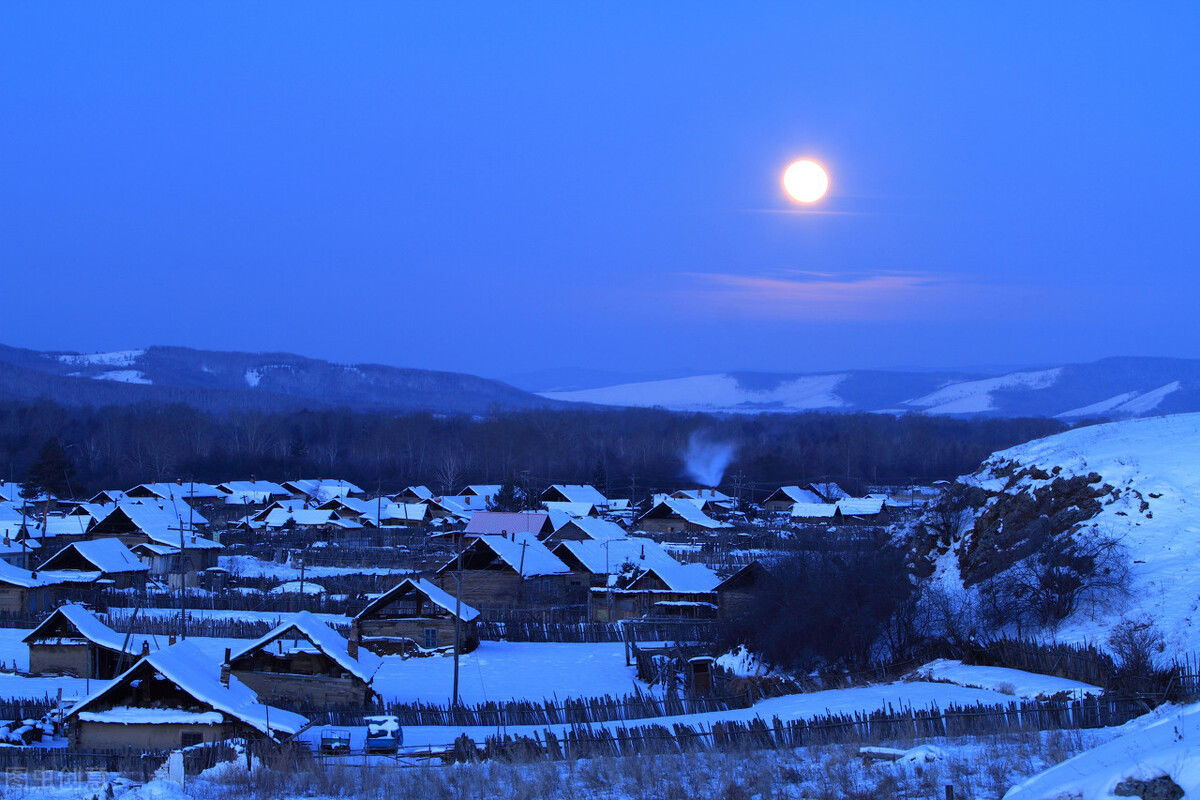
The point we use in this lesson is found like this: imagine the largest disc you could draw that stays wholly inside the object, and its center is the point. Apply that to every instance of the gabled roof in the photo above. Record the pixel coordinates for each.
(594, 528)
(814, 510)
(527, 556)
(307, 626)
(96, 511)
(322, 488)
(10, 491)
(746, 576)
(706, 494)
(793, 494)
(482, 490)
(860, 506)
(829, 491)
(302, 517)
(577, 493)
(108, 496)
(535, 522)
(15, 576)
(421, 492)
(611, 555)
(107, 556)
(175, 491)
(685, 510)
(692, 578)
(254, 488)
(90, 628)
(570, 509)
(197, 675)
(56, 525)
(432, 592)
(152, 517)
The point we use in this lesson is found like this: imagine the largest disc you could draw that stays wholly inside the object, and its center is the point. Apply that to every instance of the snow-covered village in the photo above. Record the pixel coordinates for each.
(657, 401)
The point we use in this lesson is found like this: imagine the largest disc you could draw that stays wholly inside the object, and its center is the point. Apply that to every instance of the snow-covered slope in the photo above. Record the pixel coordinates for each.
(1137, 481)
(1112, 388)
(717, 393)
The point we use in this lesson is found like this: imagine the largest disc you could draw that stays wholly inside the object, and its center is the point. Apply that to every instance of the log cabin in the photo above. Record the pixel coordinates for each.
(505, 572)
(72, 641)
(415, 610)
(175, 697)
(117, 565)
(303, 664)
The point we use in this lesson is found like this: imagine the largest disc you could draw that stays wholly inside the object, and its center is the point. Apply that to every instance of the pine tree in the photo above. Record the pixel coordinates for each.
(509, 498)
(50, 473)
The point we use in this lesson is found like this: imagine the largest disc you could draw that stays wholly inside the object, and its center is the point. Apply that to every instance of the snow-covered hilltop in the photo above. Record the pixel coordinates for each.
(1135, 483)
(1111, 388)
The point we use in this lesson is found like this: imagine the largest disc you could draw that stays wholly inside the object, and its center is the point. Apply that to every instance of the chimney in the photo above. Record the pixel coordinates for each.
(352, 645)
(170, 640)
(145, 648)
(228, 653)
(225, 674)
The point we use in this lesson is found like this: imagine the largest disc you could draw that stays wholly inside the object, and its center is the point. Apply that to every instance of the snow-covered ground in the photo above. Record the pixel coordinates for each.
(1164, 743)
(1001, 679)
(1155, 461)
(251, 567)
(975, 397)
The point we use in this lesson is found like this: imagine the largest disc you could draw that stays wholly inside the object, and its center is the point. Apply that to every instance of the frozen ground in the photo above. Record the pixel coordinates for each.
(251, 567)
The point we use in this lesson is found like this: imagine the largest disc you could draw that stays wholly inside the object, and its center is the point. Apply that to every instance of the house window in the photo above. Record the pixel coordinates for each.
(430, 638)
(189, 738)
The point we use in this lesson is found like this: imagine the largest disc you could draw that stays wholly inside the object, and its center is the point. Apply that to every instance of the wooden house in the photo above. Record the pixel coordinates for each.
(658, 590)
(782, 499)
(582, 529)
(175, 697)
(419, 611)
(574, 493)
(816, 513)
(506, 571)
(735, 594)
(306, 665)
(72, 641)
(31, 592)
(675, 515)
(413, 494)
(115, 564)
(251, 492)
(321, 489)
(18, 552)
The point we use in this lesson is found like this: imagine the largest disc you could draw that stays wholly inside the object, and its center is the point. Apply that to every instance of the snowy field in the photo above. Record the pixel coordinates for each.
(251, 567)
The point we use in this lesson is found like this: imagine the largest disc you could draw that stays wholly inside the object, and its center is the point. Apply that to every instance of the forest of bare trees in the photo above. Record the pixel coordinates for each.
(622, 451)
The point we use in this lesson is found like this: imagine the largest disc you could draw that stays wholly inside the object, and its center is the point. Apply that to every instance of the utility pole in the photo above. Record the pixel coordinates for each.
(457, 617)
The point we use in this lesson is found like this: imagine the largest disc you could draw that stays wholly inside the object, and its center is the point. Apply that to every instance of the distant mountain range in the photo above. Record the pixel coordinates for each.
(215, 380)
(222, 381)
(1112, 387)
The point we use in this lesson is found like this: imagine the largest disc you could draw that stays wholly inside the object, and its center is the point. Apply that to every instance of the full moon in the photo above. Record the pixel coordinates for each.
(805, 181)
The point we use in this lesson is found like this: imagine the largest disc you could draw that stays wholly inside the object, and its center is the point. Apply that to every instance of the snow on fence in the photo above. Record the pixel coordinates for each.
(574, 632)
(859, 728)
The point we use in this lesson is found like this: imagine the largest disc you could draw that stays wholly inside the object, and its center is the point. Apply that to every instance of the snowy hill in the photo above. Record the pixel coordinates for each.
(1111, 388)
(1135, 481)
(229, 380)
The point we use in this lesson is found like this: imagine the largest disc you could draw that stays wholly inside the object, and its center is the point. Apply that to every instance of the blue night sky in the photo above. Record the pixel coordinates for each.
(500, 188)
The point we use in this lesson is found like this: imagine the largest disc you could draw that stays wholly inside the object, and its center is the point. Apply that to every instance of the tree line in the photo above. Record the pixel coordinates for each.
(622, 451)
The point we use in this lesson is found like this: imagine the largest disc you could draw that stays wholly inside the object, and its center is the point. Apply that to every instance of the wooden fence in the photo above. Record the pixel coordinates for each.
(887, 725)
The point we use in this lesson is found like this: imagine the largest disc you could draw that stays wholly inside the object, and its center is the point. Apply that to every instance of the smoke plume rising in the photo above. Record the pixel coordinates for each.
(705, 460)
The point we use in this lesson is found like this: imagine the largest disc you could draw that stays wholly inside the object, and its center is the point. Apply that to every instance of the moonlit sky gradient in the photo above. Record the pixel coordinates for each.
(497, 188)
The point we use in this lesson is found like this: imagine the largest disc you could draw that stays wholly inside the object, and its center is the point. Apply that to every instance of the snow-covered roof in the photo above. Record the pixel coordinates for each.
(456, 506)
(860, 506)
(175, 491)
(595, 528)
(829, 491)
(706, 494)
(56, 525)
(687, 511)
(90, 628)
(482, 490)
(421, 492)
(814, 510)
(571, 509)
(794, 494)
(693, 578)
(579, 493)
(432, 591)
(322, 488)
(95, 511)
(10, 491)
(527, 556)
(608, 556)
(308, 517)
(108, 556)
(155, 517)
(484, 522)
(307, 626)
(15, 576)
(254, 488)
(198, 675)
(108, 496)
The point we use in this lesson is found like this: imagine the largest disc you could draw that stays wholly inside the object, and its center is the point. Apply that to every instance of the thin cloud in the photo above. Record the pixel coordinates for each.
(807, 295)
